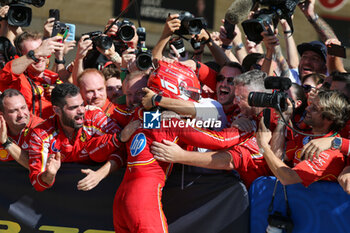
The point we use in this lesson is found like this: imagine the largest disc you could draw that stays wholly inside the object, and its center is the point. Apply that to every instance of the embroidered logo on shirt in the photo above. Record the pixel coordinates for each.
(138, 144)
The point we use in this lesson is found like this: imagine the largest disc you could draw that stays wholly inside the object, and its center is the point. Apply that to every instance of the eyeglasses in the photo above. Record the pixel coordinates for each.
(308, 88)
(221, 78)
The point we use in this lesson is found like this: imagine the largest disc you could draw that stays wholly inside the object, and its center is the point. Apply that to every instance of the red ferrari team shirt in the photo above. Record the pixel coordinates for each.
(327, 167)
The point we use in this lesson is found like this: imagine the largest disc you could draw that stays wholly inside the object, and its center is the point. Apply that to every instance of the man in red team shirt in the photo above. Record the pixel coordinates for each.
(72, 135)
(137, 204)
(15, 124)
(326, 115)
(28, 73)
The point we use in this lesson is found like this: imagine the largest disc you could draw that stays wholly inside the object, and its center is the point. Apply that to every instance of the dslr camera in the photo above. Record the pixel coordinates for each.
(100, 40)
(190, 25)
(19, 14)
(125, 30)
(276, 100)
(277, 9)
(143, 58)
(278, 223)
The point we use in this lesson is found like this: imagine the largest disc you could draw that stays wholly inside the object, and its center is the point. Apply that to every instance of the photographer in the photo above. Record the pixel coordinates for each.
(28, 73)
(327, 114)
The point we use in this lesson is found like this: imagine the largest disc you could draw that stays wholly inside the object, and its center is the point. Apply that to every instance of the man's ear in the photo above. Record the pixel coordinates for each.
(57, 110)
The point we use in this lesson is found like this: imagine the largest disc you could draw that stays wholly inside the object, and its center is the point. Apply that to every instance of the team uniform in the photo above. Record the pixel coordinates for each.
(137, 203)
(122, 114)
(33, 89)
(329, 165)
(21, 139)
(108, 108)
(95, 141)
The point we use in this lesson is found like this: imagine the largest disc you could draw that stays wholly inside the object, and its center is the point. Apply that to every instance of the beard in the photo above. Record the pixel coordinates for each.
(71, 122)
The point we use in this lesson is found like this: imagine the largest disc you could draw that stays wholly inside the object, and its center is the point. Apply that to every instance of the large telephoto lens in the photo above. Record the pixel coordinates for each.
(260, 99)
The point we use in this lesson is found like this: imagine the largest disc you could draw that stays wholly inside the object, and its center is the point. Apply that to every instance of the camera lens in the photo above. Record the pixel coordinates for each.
(179, 45)
(144, 61)
(259, 99)
(103, 42)
(126, 33)
(19, 15)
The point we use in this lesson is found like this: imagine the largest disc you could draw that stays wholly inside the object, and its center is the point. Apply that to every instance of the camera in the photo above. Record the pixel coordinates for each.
(143, 58)
(100, 40)
(178, 43)
(276, 100)
(60, 29)
(19, 14)
(125, 30)
(190, 25)
(277, 9)
(278, 223)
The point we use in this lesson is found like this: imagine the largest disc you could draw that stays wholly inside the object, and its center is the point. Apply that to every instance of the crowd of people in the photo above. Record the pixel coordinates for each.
(93, 110)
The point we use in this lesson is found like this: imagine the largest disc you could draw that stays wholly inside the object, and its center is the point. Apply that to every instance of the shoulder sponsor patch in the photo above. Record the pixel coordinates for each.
(138, 144)
(53, 148)
(3, 154)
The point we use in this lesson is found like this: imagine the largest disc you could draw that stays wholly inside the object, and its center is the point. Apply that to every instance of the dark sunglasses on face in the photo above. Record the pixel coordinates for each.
(308, 88)
(221, 78)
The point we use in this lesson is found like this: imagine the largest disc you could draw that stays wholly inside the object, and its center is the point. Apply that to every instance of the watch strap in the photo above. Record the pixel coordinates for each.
(60, 61)
(7, 143)
(31, 55)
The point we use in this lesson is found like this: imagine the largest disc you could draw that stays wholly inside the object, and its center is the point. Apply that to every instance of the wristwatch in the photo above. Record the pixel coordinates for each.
(6, 144)
(60, 61)
(31, 55)
(336, 143)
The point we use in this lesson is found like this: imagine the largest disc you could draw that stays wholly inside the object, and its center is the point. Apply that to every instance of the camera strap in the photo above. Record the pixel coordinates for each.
(35, 88)
(120, 15)
(285, 198)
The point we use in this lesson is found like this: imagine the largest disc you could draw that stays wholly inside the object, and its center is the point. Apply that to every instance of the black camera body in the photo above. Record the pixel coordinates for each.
(100, 40)
(190, 25)
(276, 100)
(179, 45)
(278, 221)
(125, 30)
(277, 9)
(19, 14)
(143, 58)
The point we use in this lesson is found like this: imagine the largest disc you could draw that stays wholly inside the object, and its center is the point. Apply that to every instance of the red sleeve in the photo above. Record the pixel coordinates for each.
(292, 147)
(209, 139)
(345, 147)
(38, 155)
(7, 78)
(329, 165)
(206, 75)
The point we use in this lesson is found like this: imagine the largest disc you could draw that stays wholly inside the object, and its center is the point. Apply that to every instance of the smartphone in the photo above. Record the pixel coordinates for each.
(71, 32)
(267, 116)
(54, 13)
(230, 29)
(59, 29)
(336, 50)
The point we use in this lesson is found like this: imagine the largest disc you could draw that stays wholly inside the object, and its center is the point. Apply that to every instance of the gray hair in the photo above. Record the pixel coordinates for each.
(254, 79)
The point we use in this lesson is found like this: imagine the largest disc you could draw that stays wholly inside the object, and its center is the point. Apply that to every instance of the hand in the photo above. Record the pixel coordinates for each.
(91, 180)
(215, 37)
(344, 179)
(129, 60)
(172, 24)
(48, 26)
(177, 56)
(315, 147)
(270, 41)
(48, 91)
(244, 124)
(129, 130)
(68, 46)
(167, 151)
(289, 112)
(48, 47)
(53, 164)
(3, 130)
(308, 7)
(84, 45)
(4, 10)
(202, 36)
(147, 98)
(263, 135)
(113, 30)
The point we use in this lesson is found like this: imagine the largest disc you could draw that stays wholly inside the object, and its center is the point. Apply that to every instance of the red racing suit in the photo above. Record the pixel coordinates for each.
(95, 141)
(137, 204)
(21, 139)
(329, 165)
(27, 84)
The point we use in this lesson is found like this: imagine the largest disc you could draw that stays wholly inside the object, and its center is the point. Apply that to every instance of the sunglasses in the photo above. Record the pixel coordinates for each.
(221, 78)
(308, 88)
